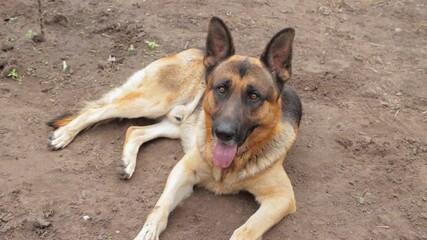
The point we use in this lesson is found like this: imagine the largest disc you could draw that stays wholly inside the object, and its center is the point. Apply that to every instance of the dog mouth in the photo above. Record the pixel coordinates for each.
(223, 154)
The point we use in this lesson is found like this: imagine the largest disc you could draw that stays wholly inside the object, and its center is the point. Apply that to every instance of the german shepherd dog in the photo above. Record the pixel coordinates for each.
(234, 114)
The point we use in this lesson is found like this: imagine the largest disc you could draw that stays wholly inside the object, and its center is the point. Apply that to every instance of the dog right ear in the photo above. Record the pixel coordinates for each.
(219, 43)
(277, 56)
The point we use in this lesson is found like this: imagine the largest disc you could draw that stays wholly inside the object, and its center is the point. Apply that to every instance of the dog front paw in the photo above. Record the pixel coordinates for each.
(60, 138)
(148, 232)
(124, 170)
(243, 233)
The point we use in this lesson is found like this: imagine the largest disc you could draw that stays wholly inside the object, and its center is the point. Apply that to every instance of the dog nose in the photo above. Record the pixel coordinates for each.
(225, 131)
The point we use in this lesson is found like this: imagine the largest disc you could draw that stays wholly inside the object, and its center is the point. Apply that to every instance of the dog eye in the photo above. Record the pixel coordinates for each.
(254, 96)
(221, 89)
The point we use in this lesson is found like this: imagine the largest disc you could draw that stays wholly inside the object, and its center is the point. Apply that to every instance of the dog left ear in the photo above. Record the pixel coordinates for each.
(277, 56)
(219, 43)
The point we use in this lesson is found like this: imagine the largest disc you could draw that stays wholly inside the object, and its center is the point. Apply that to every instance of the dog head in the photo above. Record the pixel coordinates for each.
(243, 95)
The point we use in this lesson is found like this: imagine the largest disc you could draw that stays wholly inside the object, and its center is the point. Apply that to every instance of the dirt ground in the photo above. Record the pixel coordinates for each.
(359, 167)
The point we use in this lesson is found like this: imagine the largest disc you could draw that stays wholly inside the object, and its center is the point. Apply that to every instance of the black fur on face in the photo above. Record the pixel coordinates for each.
(239, 90)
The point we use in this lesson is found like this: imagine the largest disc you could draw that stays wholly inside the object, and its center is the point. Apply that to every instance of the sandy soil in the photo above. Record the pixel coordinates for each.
(359, 167)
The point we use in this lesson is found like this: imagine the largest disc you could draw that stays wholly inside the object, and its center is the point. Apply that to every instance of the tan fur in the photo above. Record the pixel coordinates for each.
(170, 89)
(63, 121)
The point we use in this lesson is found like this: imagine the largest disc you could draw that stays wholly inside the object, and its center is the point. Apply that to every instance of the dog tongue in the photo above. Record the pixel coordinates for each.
(223, 154)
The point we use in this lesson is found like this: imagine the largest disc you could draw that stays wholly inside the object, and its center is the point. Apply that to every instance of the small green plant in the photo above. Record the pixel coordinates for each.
(13, 74)
(151, 44)
(30, 34)
(109, 238)
(94, 50)
(31, 71)
(131, 48)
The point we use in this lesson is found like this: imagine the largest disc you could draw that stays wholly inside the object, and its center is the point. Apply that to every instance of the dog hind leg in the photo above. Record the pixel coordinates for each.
(180, 113)
(135, 137)
(127, 101)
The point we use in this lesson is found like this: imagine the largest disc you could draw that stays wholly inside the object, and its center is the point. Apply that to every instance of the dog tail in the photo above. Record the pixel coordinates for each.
(61, 120)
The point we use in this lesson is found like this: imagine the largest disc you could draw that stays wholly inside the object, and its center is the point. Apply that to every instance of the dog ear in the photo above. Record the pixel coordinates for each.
(219, 43)
(277, 56)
